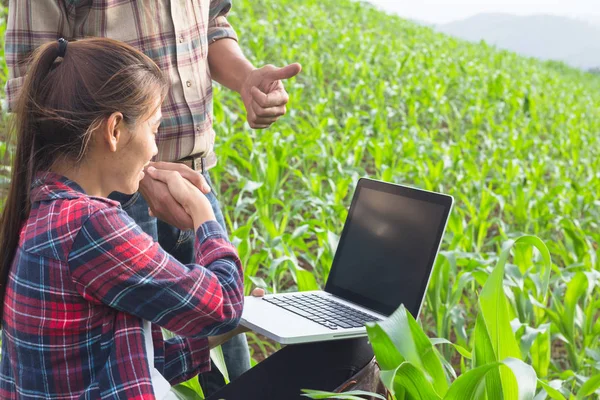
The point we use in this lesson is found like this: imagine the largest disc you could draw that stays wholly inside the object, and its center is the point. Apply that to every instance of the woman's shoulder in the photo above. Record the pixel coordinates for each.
(55, 223)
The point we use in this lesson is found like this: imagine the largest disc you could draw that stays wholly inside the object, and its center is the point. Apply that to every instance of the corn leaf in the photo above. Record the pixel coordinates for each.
(216, 356)
(306, 280)
(576, 288)
(589, 387)
(414, 382)
(552, 392)
(495, 318)
(469, 385)
(185, 392)
(484, 354)
(540, 352)
(351, 395)
(461, 350)
(388, 356)
(413, 345)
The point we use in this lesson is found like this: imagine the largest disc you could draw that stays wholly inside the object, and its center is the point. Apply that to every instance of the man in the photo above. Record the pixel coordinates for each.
(191, 41)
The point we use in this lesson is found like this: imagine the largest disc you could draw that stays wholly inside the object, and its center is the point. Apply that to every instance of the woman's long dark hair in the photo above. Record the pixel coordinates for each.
(62, 101)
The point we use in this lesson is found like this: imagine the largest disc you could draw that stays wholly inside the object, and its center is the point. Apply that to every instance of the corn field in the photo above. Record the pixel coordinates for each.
(513, 307)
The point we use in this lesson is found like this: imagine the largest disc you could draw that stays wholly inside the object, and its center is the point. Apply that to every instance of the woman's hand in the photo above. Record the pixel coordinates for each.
(186, 195)
(161, 203)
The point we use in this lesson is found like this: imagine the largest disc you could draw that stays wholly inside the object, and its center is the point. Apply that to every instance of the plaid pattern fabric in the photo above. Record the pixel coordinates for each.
(175, 34)
(84, 279)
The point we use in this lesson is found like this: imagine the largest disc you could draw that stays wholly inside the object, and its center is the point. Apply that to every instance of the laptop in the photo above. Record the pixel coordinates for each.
(384, 258)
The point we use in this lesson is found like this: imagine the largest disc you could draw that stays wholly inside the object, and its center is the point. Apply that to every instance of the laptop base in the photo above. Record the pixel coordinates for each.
(285, 327)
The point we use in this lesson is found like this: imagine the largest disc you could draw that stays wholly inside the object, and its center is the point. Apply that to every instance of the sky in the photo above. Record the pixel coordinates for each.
(440, 11)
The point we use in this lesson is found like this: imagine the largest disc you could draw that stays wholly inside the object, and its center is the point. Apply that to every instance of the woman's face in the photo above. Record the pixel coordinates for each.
(136, 151)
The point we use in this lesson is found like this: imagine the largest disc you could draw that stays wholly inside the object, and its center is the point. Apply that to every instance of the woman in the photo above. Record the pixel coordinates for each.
(85, 291)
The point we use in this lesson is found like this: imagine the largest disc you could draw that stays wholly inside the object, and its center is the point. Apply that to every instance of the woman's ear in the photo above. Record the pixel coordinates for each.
(112, 131)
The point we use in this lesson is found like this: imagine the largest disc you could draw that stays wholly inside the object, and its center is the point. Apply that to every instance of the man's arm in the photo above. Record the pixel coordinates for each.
(261, 89)
(228, 65)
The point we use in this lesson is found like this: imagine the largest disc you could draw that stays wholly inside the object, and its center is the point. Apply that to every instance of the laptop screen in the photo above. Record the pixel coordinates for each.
(388, 246)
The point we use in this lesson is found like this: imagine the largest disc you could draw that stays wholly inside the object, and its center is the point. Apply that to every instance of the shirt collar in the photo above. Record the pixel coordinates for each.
(51, 186)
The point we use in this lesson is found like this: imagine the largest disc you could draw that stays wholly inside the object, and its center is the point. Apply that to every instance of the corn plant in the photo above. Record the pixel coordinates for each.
(412, 368)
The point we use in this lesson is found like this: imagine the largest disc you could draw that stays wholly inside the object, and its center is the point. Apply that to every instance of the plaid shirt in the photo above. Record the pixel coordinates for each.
(84, 279)
(175, 34)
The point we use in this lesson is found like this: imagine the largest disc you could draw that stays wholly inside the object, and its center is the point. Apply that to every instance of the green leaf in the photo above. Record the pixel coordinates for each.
(388, 356)
(589, 387)
(193, 385)
(525, 377)
(184, 392)
(525, 335)
(495, 308)
(413, 380)
(546, 264)
(258, 282)
(461, 350)
(299, 231)
(387, 377)
(469, 385)
(412, 344)
(576, 288)
(552, 392)
(251, 186)
(494, 318)
(484, 354)
(540, 352)
(216, 355)
(351, 395)
(333, 241)
(306, 280)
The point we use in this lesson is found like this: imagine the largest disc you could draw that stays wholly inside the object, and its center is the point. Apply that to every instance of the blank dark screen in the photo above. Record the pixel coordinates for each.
(387, 249)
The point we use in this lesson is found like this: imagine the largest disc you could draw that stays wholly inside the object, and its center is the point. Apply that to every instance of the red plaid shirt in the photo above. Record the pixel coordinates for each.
(84, 279)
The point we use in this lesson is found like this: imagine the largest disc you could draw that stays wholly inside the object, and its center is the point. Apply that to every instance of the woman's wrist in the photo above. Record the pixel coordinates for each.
(200, 215)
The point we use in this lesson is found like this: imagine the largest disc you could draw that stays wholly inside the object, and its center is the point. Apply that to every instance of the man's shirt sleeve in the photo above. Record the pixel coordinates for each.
(218, 26)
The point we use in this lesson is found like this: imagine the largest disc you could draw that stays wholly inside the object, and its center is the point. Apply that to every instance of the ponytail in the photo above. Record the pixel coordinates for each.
(17, 205)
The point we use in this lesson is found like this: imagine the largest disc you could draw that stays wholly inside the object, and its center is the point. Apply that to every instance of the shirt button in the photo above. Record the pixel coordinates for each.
(181, 38)
(198, 128)
(188, 83)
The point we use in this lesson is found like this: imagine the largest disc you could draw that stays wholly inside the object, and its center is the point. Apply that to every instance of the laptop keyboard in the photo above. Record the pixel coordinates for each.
(323, 311)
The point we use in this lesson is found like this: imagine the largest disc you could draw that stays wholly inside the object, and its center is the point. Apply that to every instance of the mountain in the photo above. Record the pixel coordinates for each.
(547, 37)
